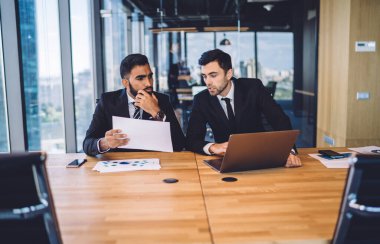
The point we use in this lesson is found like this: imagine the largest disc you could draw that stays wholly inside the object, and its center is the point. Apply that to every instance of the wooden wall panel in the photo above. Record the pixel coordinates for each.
(333, 71)
(363, 127)
(342, 73)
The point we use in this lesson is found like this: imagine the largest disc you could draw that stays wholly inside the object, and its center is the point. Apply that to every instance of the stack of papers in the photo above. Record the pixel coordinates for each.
(127, 165)
(374, 150)
(338, 163)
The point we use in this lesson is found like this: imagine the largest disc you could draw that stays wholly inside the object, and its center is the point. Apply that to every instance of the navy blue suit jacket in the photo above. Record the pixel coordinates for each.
(116, 104)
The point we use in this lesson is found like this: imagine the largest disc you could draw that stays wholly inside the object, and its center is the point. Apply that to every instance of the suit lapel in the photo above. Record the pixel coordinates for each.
(124, 108)
(146, 116)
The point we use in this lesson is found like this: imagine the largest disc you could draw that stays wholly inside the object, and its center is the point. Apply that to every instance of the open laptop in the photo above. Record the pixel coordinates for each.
(255, 151)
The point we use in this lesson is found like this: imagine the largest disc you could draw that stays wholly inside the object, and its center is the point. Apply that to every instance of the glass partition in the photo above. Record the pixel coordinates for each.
(275, 61)
(41, 74)
(116, 40)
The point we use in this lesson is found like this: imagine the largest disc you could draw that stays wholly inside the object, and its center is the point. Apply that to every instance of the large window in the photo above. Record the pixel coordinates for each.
(4, 137)
(275, 61)
(41, 74)
(82, 66)
(115, 33)
(163, 60)
(197, 43)
(137, 26)
(242, 51)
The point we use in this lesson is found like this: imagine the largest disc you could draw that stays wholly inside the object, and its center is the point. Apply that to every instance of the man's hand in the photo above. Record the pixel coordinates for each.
(147, 102)
(113, 139)
(293, 161)
(218, 148)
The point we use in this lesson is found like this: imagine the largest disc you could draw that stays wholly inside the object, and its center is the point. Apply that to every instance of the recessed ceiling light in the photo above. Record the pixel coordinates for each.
(268, 7)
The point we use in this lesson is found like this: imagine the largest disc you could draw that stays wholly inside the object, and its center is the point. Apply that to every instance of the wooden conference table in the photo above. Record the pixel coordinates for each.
(280, 205)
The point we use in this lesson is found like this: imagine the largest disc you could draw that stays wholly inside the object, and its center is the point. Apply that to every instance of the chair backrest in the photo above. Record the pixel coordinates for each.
(26, 204)
(271, 87)
(359, 217)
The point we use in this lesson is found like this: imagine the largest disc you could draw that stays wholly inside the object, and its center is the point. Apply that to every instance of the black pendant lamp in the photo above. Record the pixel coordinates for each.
(225, 41)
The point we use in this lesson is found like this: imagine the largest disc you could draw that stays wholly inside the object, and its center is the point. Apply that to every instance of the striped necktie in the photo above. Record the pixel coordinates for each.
(137, 113)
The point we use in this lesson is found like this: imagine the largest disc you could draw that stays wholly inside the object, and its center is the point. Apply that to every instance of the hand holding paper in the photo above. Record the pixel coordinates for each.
(112, 139)
(145, 134)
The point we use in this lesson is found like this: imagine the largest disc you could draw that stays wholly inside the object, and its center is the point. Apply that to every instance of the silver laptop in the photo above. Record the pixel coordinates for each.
(255, 151)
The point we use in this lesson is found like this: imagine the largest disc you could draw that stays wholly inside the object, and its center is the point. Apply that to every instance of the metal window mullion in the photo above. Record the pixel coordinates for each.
(128, 30)
(97, 53)
(12, 74)
(256, 56)
(67, 75)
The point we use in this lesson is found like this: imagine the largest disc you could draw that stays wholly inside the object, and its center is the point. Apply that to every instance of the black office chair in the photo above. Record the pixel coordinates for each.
(359, 218)
(271, 87)
(26, 205)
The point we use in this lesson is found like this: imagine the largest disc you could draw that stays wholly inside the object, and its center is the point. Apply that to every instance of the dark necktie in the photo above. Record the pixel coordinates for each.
(231, 116)
(137, 114)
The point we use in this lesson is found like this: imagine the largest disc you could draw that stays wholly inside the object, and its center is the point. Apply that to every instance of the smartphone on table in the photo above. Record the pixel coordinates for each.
(76, 163)
(331, 154)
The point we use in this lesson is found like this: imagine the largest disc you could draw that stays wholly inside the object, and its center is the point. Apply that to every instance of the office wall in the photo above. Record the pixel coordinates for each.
(342, 72)
(333, 63)
(363, 127)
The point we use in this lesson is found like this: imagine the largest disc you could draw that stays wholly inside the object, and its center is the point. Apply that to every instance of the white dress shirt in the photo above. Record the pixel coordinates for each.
(230, 95)
(132, 107)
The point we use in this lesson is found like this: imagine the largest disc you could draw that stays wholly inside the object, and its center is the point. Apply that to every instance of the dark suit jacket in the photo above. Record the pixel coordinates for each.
(251, 100)
(116, 104)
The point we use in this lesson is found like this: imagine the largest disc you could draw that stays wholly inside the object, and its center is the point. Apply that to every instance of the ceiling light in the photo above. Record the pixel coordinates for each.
(268, 7)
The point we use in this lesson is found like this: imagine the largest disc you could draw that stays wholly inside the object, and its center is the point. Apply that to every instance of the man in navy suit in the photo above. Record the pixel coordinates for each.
(137, 100)
(231, 106)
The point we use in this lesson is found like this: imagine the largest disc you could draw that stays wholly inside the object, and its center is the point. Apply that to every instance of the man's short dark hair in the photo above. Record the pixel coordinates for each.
(223, 59)
(131, 61)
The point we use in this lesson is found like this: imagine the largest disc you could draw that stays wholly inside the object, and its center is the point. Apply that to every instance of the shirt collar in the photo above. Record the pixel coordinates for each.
(130, 99)
(230, 94)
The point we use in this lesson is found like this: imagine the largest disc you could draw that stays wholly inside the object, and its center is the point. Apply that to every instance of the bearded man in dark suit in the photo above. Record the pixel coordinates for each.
(136, 100)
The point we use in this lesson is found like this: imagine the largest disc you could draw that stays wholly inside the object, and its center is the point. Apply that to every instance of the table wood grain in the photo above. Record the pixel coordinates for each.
(129, 207)
(280, 205)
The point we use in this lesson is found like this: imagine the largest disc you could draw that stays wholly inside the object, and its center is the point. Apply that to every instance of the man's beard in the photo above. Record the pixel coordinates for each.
(218, 91)
(134, 92)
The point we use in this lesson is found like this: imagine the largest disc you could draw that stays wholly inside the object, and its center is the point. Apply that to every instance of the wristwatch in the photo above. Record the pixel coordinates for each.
(159, 116)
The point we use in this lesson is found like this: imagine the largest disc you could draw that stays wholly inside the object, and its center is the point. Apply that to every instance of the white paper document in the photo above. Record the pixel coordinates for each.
(338, 163)
(145, 134)
(127, 165)
(367, 150)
